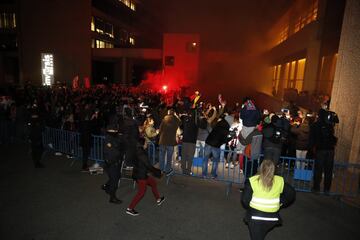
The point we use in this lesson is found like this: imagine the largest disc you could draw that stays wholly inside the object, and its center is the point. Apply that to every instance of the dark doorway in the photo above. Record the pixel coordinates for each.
(103, 72)
(141, 67)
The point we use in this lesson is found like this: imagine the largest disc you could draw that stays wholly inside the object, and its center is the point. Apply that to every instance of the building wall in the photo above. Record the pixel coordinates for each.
(58, 27)
(345, 94)
(185, 69)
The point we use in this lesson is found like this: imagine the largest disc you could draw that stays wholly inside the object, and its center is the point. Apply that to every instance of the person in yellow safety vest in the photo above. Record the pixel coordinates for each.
(263, 196)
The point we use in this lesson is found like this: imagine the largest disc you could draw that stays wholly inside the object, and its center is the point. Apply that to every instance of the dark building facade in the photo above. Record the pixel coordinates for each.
(73, 33)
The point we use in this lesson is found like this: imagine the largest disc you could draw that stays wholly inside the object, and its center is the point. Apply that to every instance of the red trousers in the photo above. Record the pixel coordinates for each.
(142, 189)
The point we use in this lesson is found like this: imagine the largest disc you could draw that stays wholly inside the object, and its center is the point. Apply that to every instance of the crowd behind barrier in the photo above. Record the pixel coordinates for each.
(345, 175)
(77, 118)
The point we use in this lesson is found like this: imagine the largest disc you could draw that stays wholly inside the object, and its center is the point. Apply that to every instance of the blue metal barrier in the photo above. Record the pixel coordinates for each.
(297, 172)
(68, 142)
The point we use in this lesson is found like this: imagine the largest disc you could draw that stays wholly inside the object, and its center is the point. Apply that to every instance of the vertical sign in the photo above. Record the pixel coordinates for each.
(47, 66)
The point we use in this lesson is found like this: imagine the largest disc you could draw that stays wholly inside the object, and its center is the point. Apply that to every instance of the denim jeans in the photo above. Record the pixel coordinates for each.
(165, 164)
(215, 158)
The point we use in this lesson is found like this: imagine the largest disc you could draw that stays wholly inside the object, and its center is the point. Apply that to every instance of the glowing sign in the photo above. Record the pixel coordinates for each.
(47, 66)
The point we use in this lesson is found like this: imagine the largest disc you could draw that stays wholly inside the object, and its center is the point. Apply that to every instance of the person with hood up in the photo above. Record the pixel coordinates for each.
(250, 116)
(142, 169)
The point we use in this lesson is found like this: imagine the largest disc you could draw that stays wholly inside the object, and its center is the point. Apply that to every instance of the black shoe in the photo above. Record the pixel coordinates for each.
(105, 187)
(115, 200)
(132, 212)
(160, 201)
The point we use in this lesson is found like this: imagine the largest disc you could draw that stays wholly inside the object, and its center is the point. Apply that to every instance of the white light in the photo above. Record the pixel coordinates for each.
(47, 65)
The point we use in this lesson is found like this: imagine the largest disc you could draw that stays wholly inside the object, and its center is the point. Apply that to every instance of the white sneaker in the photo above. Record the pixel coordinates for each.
(232, 166)
(226, 165)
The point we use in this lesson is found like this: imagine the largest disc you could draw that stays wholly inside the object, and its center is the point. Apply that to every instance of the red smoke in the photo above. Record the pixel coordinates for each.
(160, 82)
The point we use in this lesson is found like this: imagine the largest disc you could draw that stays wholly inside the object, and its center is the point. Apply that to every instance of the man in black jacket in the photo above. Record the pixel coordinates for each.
(129, 129)
(217, 137)
(190, 130)
(36, 140)
(275, 135)
(323, 141)
(114, 155)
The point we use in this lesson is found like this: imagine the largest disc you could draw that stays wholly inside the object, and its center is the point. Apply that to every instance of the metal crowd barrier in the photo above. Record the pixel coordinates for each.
(297, 172)
(68, 143)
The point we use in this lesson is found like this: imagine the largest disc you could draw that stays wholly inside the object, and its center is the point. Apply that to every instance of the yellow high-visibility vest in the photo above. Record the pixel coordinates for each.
(266, 201)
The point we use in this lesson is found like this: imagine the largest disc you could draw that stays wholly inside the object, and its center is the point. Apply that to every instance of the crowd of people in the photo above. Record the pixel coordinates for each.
(131, 121)
(202, 128)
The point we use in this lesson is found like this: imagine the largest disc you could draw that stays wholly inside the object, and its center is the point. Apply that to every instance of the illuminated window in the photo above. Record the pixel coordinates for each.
(102, 27)
(284, 34)
(308, 16)
(132, 6)
(7, 20)
(276, 78)
(96, 43)
(132, 41)
(92, 24)
(129, 3)
(294, 74)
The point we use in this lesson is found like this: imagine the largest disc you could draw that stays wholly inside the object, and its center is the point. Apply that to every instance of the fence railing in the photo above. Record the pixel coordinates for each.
(297, 172)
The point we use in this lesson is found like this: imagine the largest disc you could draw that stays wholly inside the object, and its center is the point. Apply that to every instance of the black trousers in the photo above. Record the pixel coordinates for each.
(86, 154)
(114, 173)
(36, 154)
(324, 163)
(258, 229)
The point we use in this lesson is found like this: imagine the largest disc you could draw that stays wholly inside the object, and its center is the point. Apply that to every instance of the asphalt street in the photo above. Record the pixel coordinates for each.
(59, 202)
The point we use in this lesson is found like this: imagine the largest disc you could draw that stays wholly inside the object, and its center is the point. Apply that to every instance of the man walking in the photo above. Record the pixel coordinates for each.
(167, 131)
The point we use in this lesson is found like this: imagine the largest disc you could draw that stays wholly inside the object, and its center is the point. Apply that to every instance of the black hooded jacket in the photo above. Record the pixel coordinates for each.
(142, 165)
(219, 135)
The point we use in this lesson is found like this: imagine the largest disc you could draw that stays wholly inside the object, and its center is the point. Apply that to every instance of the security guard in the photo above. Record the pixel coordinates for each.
(35, 137)
(114, 155)
(263, 196)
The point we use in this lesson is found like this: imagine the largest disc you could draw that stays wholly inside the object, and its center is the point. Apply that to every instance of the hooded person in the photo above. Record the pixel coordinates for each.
(250, 116)
(114, 155)
(36, 143)
(128, 127)
(142, 172)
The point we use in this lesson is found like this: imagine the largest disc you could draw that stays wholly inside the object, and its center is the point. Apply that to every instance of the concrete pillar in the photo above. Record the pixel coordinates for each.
(345, 97)
(124, 71)
(280, 90)
(118, 71)
(312, 66)
(2, 78)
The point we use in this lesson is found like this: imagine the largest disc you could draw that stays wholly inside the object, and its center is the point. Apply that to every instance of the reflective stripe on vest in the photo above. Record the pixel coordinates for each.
(266, 201)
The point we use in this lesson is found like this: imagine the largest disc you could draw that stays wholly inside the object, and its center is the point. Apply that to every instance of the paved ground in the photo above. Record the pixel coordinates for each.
(59, 202)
